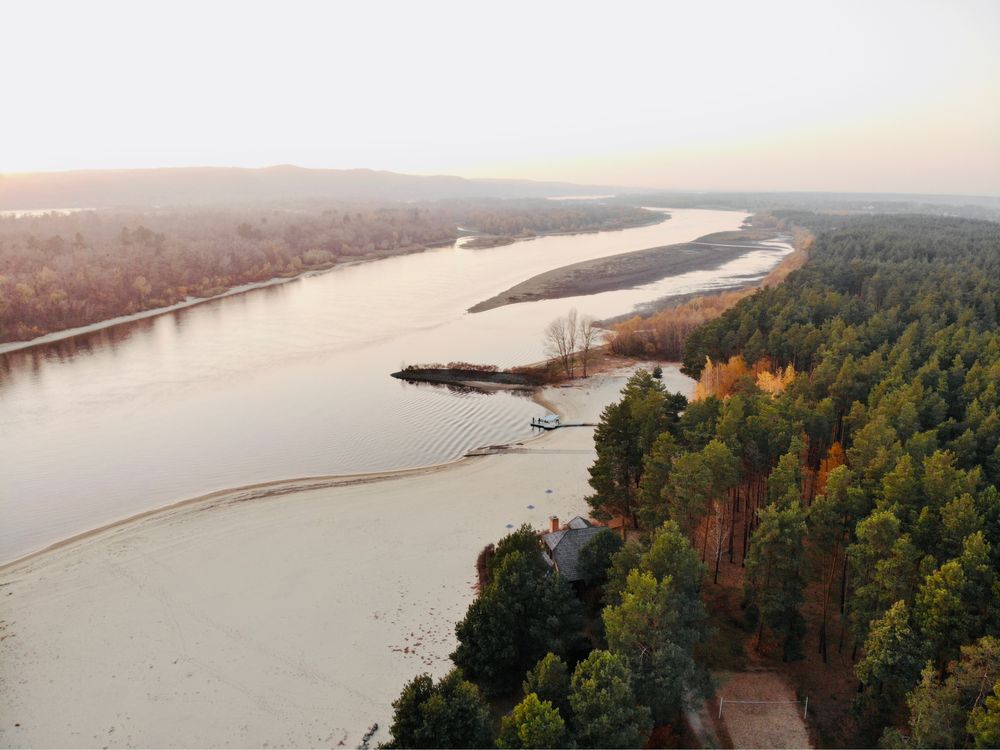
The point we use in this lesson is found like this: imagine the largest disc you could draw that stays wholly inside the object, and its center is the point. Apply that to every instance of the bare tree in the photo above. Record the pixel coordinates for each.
(560, 341)
(587, 334)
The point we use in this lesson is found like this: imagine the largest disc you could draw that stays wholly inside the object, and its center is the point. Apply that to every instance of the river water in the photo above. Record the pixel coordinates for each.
(293, 380)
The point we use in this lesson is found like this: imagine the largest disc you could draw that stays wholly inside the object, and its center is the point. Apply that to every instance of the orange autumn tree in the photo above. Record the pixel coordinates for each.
(719, 379)
(834, 458)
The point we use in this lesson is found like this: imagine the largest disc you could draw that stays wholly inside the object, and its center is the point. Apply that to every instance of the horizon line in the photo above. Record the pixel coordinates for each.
(620, 188)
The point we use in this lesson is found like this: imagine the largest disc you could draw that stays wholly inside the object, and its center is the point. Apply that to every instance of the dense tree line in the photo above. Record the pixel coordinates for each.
(846, 437)
(60, 270)
(580, 674)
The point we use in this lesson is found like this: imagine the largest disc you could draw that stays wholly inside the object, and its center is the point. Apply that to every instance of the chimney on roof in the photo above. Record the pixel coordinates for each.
(554, 521)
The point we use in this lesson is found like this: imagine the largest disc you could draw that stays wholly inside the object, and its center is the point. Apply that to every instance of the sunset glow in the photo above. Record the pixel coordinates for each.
(846, 96)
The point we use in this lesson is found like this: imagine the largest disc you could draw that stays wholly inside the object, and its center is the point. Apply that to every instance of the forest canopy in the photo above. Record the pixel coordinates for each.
(842, 457)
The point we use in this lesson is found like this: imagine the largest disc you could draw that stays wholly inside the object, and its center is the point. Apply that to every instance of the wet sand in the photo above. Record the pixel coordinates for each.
(287, 614)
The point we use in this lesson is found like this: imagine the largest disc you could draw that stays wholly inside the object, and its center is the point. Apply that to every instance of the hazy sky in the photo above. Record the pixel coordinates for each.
(873, 95)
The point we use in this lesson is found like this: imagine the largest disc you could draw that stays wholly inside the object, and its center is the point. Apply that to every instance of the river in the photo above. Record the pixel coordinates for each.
(293, 380)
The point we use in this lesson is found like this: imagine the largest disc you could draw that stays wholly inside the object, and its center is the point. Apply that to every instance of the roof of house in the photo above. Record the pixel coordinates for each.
(564, 546)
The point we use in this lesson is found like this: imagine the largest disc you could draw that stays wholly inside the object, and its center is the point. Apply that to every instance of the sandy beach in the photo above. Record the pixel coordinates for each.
(271, 619)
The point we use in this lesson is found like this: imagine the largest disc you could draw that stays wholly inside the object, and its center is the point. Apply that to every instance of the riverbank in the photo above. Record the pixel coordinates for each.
(475, 242)
(630, 270)
(68, 333)
(721, 297)
(289, 614)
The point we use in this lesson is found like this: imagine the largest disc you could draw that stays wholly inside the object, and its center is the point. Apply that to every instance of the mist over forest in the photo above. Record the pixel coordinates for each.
(281, 185)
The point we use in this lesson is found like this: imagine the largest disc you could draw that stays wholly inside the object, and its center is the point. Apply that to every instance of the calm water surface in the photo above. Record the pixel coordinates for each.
(293, 380)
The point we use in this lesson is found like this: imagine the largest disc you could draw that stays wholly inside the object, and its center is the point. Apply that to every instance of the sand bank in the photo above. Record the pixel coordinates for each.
(630, 270)
(250, 619)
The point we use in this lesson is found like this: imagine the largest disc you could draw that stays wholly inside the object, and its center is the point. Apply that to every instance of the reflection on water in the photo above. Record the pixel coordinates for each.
(292, 380)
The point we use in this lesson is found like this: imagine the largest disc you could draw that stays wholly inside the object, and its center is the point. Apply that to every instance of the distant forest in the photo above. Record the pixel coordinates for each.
(962, 206)
(60, 270)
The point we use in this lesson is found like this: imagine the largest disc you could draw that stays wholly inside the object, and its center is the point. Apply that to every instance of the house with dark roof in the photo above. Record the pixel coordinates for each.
(561, 545)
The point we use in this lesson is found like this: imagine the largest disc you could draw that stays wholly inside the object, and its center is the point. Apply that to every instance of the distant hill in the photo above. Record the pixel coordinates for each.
(967, 206)
(205, 186)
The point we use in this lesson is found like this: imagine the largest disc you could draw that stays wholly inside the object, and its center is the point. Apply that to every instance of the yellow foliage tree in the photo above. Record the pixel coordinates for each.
(775, 382)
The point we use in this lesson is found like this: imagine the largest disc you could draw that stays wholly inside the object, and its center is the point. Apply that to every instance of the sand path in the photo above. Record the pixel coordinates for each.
(252, 620)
